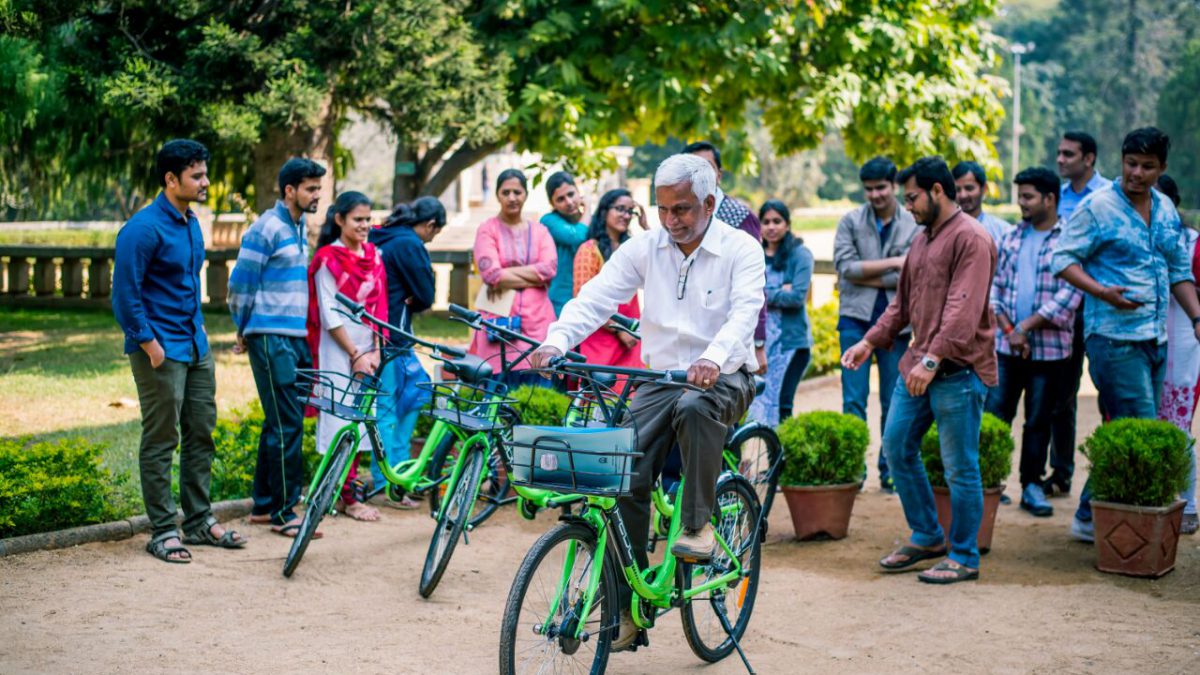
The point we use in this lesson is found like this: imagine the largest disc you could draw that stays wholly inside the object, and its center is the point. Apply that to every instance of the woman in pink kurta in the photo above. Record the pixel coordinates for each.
(517, 254)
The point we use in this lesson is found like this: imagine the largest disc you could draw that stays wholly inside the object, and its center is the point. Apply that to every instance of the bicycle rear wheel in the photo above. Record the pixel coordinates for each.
(758, 452)
(735, 517)
(451, 520)
(545, 606)
(319, 503)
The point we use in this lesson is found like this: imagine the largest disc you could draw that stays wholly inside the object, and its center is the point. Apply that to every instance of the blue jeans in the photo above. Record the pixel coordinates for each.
(1129, 376)
(956, 404)
(1043, 384)
(397, 419)
(856, 384)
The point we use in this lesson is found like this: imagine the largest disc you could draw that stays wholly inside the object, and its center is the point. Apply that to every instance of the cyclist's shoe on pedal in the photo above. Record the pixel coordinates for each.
(695, 545)
(627, 633)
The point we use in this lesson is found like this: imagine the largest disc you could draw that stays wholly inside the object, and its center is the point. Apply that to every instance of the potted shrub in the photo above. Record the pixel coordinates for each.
(995, 464)
(824, 461)
(1138, 468)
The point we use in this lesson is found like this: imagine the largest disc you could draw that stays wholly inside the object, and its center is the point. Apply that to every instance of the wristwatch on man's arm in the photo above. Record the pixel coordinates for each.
(929, 363)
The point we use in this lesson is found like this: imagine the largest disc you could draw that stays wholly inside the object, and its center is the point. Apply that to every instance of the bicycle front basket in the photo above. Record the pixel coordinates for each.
(590, 461)
(351, 398)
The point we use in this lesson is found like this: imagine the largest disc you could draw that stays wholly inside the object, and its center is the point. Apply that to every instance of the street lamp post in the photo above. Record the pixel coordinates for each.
(1018, 50)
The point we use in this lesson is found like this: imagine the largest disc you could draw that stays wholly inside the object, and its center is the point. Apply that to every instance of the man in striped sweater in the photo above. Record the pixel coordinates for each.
(268, 297)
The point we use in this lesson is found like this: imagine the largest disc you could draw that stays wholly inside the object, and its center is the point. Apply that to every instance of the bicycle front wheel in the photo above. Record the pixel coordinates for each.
(544, 629)
(451, 520)
(735, 517)
(758, 452)
(319, 503)
(493, 487)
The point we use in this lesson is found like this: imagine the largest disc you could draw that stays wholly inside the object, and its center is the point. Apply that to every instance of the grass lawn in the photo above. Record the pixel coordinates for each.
(63, 374)
(83, 238)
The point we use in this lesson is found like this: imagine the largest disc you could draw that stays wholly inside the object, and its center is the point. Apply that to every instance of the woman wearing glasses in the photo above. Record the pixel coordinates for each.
(517, 260)
(608, 230)
(410, 286)
(789, 335)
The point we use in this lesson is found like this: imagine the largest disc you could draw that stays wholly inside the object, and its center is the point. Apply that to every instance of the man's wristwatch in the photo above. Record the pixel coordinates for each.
(759, 344)
(929, 364)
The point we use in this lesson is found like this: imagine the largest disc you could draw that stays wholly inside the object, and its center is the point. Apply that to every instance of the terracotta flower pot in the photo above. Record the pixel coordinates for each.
(1139, 541)
(821, 511)
(987, 525)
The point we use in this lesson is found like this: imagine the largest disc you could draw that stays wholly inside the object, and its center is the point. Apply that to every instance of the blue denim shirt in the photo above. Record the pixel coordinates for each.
(156, 281)
(1109, 239)
(1069, 199)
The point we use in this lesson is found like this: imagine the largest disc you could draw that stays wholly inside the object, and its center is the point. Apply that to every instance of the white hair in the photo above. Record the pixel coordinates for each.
(687, 168)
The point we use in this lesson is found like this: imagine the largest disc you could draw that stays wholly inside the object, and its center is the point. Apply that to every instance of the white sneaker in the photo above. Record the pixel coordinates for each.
(1083, 531)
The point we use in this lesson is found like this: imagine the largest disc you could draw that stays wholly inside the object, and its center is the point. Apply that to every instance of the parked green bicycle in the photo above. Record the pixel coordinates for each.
(563, 608)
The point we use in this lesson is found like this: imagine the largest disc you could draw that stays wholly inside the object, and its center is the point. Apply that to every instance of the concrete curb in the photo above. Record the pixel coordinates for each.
(114, 531)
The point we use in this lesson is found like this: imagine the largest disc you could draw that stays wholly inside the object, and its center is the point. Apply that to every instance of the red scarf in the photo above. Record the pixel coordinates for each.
(360, 278)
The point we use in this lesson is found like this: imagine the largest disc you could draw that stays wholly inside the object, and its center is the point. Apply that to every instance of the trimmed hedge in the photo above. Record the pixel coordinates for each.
(51, 486)
(540, 406)
(823, 448)
(236, 439)
(995, 453)
(826, 350)
(1138, 462)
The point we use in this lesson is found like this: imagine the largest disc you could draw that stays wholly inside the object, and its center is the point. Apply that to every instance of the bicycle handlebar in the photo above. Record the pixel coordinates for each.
(361, 315)
(475, 320)
(662, 376)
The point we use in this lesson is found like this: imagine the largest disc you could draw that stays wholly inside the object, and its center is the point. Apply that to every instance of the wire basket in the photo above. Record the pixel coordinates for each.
(595, 407)
(473, 407)
(351, 398)
(597, 461)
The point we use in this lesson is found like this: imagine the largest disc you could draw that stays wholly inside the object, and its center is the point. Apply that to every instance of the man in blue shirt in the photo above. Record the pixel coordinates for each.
(268, 297)
(156, 301)
(1077, 168)
(1123, 246)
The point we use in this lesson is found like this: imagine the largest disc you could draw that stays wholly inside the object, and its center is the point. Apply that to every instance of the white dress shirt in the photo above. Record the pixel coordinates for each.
(714, 320)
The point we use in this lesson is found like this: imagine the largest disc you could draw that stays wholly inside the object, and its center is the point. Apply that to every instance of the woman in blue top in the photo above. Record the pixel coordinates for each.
(789, 336)
(569, 230)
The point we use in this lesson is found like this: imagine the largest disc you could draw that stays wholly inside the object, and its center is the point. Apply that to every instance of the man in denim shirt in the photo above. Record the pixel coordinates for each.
(156, 301)
(1123, 246)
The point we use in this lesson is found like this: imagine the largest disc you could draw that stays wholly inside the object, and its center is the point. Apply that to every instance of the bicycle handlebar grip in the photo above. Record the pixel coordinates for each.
(576, 357)
(464, 313)
(349, 304)
(679, 376)
(625, 322)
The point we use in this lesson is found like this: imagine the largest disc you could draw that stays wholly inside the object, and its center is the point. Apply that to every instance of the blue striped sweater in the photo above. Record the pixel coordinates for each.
(268, 289)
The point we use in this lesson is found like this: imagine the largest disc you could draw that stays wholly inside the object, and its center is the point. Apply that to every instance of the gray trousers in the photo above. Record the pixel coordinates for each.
(178, 401)
(699, 422)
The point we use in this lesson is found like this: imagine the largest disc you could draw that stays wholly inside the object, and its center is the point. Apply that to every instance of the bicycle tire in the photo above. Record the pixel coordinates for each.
(451, 521)
(319, 503)
(765, 481)
(699, 614)
(496, 482)
(511, 627)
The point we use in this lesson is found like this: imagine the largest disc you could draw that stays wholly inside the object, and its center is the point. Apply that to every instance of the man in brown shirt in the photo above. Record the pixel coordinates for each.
(950, 362)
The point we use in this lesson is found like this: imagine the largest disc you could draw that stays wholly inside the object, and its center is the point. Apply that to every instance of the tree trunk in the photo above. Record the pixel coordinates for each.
(279, 144)
(406, 179)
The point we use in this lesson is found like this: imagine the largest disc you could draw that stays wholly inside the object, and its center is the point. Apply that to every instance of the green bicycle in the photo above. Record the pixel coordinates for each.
(563, 608)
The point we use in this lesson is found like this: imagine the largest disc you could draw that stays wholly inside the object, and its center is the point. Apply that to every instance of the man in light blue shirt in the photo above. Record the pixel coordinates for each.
(1123, 246)
(970, 182)
(1077, 168)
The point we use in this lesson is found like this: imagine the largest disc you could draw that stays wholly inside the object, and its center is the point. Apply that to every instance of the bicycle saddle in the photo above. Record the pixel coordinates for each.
(470, 369)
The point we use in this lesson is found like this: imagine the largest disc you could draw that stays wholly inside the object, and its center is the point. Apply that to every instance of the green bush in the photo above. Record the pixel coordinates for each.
(540, 406)
(995, 453)
(424, 424)
(823, 448)
(1138, 462)
(826, 351)
(236, 438)
(51, 486)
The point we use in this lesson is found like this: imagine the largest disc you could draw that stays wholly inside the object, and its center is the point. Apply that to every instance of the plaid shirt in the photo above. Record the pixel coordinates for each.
(1056, 300)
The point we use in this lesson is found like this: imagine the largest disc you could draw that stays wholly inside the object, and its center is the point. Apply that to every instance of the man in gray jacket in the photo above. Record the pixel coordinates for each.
(868, 253)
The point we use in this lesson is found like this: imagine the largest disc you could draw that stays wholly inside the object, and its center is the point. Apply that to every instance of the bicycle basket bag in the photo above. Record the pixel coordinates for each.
(593, 461)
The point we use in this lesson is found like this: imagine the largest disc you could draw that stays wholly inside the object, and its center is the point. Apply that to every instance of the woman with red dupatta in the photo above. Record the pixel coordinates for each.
(345, 263)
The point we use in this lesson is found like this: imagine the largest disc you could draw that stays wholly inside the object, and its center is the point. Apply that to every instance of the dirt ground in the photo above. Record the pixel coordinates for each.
(352, 606)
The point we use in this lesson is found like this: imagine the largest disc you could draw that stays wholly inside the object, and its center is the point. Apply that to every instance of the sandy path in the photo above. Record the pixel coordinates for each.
(352, 605)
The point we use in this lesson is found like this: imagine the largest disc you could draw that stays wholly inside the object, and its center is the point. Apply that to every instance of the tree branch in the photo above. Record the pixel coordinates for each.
(460, 161)
(434, 155)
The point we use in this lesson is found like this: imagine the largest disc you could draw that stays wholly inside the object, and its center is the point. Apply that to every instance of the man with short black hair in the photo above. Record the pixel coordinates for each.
(156, 301)
(868, 251)
(1077, 166)
(970, 182)
(1035, 312)
(737, 214)
(1124, 247)
(950, 363)
(268, 297)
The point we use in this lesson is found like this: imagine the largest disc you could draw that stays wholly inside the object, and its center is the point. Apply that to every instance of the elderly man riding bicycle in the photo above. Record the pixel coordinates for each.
(703, 288)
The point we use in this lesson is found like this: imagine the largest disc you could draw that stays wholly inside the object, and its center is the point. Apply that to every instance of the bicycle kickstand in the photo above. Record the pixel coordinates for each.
(720, 609)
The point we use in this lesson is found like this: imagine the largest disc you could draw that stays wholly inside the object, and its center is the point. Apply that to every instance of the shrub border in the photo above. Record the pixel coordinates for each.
(113, 531)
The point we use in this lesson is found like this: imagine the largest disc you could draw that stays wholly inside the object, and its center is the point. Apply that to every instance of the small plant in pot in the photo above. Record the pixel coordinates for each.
(995, 464)
(1138, 468)
(824, 461)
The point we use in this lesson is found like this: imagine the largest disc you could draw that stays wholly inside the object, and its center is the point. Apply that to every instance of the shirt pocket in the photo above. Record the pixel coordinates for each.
(715, 298)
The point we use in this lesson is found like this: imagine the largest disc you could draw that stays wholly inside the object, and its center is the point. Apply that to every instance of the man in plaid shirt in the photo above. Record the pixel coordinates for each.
(1035, 312)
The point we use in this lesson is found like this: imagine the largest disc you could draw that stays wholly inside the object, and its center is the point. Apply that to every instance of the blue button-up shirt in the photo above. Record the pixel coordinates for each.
(156, 281)
(1069, 199)
(1108, 238)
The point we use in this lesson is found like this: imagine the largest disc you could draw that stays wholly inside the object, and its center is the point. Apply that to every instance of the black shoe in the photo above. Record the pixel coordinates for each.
(1005, 499)
(887, 486)
(1057, 486)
